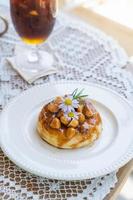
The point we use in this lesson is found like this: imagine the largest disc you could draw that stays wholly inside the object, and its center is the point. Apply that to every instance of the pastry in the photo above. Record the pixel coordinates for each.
(69, 122)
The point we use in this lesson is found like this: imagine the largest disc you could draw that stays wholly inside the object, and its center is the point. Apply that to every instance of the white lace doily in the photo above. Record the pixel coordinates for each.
(86, 54)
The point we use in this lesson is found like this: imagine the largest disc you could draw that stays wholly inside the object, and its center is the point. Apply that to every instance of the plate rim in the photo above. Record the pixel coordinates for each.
(83, 175)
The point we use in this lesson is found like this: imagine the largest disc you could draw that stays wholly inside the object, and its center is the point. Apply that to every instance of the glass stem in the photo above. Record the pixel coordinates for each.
(33, 56)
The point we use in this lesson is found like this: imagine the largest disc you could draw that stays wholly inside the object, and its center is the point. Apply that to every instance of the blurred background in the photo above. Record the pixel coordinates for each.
(121, 12)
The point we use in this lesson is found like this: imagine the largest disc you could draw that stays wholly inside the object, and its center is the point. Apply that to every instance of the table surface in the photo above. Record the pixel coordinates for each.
(124, 35)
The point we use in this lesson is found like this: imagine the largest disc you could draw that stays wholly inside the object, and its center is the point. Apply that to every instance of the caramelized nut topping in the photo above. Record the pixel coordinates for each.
(81, 118)
(88, 110)
(70, 132)
(58, 100)
(74, 123)
(80, 108)
(52, 107)
(60, 114)
(64, 120)
(93, 120)
(55, 123)
(85, 128)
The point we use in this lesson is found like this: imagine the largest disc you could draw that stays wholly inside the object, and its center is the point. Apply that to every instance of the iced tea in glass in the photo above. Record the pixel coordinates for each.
(34, 21)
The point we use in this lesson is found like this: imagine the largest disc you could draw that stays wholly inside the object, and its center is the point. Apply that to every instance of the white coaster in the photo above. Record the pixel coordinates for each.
(48, 65)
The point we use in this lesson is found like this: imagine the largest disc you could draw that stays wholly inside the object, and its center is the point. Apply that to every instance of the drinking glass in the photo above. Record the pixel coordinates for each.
(34, 21)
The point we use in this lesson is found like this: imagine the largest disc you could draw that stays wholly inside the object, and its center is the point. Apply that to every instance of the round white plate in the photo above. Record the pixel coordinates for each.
(21, 143)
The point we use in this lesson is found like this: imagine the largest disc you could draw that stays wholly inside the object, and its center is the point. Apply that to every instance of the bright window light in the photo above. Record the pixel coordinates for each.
(120, 11)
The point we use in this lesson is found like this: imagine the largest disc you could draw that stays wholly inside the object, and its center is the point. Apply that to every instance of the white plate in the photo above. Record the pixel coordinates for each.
(21, 143)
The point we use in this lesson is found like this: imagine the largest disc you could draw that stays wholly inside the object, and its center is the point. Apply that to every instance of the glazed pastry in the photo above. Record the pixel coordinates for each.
(69, 122)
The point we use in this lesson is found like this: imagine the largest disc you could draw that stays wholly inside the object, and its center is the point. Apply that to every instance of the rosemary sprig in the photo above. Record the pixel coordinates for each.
(78, 95)
(74, 92)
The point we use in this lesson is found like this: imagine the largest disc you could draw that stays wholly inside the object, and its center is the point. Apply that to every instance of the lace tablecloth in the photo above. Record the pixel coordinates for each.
(84, 54)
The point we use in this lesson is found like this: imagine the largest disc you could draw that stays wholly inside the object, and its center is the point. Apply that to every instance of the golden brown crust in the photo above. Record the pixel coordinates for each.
(57, 131)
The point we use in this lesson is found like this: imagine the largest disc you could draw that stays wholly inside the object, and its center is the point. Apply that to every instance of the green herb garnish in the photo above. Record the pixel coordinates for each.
(78, 94)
